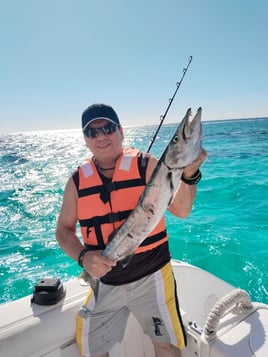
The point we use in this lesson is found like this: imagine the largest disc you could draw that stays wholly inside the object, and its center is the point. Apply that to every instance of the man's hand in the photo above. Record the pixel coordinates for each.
(190, 170)
(96, 264)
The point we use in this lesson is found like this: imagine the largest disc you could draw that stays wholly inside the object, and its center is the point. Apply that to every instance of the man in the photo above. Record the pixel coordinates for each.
(100, 195)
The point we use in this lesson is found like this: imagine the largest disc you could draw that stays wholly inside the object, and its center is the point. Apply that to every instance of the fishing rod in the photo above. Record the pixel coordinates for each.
(162, 117)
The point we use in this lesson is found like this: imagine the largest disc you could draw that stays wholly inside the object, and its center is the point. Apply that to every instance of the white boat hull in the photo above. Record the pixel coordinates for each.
(30, 330)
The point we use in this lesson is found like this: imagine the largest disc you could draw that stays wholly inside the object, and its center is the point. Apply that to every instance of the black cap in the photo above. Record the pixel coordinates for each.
(99, 111)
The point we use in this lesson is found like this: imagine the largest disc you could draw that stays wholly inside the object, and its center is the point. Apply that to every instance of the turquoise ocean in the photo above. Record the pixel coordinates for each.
(226, 233)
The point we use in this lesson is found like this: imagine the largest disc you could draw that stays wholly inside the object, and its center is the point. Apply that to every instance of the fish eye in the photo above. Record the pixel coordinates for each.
(176, 139)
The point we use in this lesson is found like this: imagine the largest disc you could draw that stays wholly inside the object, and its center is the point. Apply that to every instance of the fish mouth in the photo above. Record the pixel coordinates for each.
(197, 118)
(194, 127)
(196, 123)
(185, 125)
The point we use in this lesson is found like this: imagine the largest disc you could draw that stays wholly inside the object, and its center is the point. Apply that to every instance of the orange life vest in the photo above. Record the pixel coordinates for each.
(104, 206)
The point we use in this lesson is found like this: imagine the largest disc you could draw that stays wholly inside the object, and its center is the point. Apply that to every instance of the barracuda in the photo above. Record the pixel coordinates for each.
(182, 150)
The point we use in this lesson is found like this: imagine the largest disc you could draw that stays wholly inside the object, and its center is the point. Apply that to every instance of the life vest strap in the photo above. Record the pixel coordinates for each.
(154, 238)
(110, 186)
(108, 218)
(148, 241)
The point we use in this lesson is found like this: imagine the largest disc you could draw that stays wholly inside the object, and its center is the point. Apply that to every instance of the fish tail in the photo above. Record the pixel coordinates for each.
(92, 281)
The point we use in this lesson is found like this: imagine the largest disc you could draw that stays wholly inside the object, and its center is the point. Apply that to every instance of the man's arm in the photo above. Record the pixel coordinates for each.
(183, 198)
(66, 225)
(95, 264)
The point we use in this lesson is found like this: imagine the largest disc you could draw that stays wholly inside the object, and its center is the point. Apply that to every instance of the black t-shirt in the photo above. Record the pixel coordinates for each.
(139, 266)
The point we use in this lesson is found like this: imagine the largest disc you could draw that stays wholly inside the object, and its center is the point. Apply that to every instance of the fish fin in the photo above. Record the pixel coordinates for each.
(124, 262)
(92, 281)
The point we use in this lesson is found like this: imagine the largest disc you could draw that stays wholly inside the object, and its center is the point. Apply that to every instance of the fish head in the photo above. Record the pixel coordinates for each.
(186, 143)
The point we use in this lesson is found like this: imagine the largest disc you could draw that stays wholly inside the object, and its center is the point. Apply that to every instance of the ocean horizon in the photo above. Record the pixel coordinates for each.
(134, 125)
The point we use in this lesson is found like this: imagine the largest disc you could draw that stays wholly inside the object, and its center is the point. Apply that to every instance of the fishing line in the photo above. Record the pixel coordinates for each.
(162, 117)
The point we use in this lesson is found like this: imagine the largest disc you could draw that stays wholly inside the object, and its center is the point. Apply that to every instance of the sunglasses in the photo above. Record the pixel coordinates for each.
(107, 129)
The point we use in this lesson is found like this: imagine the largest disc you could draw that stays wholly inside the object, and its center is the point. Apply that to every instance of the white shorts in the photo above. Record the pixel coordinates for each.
(152, 300)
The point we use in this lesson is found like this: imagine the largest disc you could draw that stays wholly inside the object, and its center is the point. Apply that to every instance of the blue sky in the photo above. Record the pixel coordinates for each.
(59, 56)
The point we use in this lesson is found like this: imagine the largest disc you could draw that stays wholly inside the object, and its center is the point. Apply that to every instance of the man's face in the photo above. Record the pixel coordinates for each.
(105, 143)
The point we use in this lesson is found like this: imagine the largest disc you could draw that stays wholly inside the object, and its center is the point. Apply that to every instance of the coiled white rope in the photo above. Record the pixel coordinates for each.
(237, 301)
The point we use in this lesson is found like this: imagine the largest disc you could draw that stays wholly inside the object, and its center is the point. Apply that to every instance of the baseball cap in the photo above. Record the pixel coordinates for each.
(99, 111)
